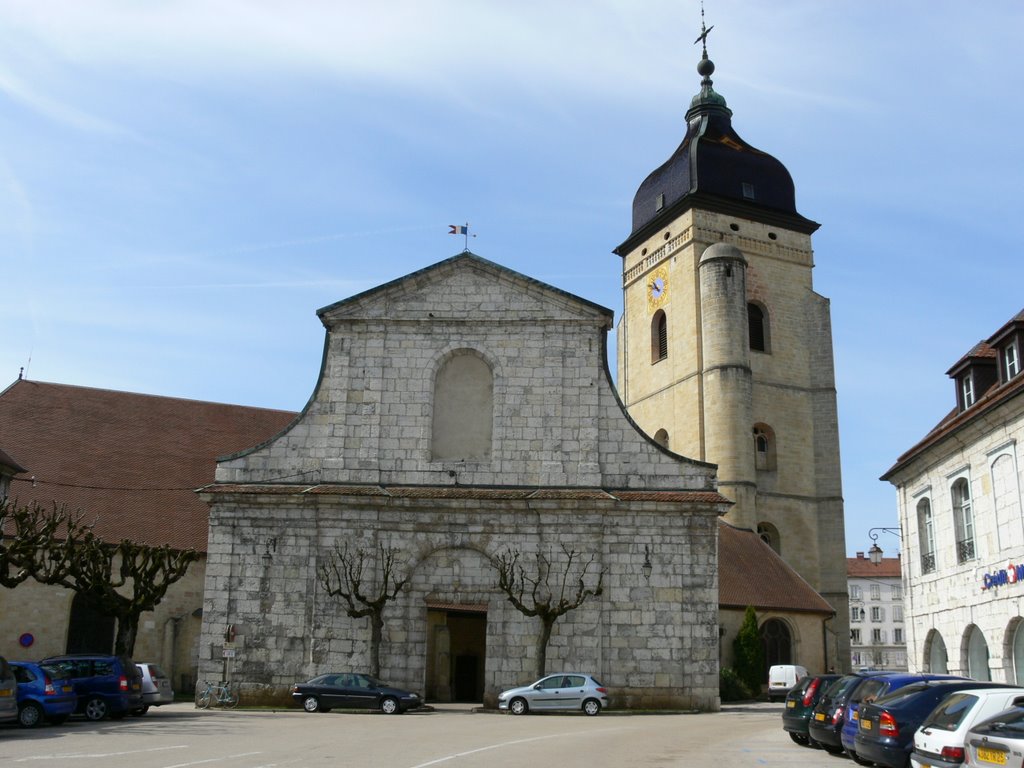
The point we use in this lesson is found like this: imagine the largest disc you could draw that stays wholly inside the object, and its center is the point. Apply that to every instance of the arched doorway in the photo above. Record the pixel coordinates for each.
(977, 655)
(777, 641)
(88, 630)
(1017, 651)
(935, 654)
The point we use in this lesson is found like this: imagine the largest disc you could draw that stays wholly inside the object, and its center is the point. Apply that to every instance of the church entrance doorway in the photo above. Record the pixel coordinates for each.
(778, 644)
(88, 630)
(456, 652)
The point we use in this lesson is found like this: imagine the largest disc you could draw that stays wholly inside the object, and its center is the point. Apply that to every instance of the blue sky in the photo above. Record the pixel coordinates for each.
(182, 184)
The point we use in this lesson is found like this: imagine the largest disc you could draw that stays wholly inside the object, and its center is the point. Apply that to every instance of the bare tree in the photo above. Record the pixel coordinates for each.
(122, 580)
(345, 575)
(534, 594)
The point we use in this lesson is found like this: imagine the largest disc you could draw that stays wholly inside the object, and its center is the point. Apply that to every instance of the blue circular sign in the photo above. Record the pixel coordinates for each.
(26, 640)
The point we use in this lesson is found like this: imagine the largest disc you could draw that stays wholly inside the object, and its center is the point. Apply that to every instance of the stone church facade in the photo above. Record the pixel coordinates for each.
(725, 349)
(463, 412)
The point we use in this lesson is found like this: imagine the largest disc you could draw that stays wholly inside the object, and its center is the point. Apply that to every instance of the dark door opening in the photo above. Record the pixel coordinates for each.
(456, 653)
(88, 630)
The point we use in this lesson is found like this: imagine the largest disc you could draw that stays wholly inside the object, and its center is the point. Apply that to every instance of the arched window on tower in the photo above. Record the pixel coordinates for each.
(764, 447)
(757, 320)
(770, 535)
(463, 408)
(659, 336)
(661, 438)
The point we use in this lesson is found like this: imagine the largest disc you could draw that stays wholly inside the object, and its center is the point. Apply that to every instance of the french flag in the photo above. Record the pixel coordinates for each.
(455, 229)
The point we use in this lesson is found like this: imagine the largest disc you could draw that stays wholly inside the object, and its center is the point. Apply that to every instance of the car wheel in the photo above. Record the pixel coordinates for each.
(799, 738)
(517, 706)
(141, 711)
(96, 709)
(859, 760)
(592, 707)
(389, 706)
(30, 715)
(311, 704)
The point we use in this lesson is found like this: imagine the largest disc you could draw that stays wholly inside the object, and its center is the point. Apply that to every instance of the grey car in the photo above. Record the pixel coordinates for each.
(564, 691)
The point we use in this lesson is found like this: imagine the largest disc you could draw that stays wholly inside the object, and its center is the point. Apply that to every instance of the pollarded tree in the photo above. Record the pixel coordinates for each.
(548, 591)
(365, 594)
(122, 580)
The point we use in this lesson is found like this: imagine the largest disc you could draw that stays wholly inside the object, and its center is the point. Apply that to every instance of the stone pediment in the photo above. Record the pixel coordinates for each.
(465, 287)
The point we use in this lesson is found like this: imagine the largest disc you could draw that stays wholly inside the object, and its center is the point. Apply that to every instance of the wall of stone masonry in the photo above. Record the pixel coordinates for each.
(653, 644)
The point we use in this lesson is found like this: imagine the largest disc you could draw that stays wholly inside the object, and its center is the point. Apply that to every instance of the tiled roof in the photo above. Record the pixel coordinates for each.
(751, 573)
(861, 567)
(10, 464)
(131, 461)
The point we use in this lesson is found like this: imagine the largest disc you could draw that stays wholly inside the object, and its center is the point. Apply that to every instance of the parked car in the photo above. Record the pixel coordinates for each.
(8, 693)
(998, 741)
(44, 693)
(354, 691)
(885, 735)
(825, 727)
(782, 678)
(939, 742)
(800, 702)
(873, 688)
(107, 686)
(564, 690)
(156, 687)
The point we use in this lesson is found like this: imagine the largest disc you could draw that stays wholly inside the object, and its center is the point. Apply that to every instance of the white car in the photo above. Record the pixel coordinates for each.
(940, 741)
(564, 690)
(156, 687)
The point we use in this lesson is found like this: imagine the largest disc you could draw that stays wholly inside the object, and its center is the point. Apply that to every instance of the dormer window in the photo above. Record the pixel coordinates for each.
(1011, 361)
(967, 390)
(748, 190)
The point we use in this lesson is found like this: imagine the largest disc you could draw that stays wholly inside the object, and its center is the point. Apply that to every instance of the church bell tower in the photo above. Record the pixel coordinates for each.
(725, 349)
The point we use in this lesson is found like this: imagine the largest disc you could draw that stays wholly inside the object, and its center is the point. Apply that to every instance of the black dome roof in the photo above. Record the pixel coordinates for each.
(715, 169)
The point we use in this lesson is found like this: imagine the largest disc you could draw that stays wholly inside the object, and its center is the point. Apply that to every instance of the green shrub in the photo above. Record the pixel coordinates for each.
(730, 687)
(748, 653)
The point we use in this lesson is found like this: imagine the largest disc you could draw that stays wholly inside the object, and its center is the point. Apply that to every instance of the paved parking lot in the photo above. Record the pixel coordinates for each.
(452, 736)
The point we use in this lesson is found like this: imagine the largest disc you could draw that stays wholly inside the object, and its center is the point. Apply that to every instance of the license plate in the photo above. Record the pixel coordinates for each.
(5, 691)
(865, 725)
(790, 704)
(68, 688)
(993, 756)
(819, 716)
(855, 716)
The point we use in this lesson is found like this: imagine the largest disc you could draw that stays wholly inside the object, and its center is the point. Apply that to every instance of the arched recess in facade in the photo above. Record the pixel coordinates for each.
(974, 654)
(777, 641)
(88, 630)
(1013, 651)
(935, 658)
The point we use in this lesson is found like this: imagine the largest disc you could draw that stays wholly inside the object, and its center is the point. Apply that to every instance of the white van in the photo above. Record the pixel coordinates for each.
(781, 678)
(940, 739)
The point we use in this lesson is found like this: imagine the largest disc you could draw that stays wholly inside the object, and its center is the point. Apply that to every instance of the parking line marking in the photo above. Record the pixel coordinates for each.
(446, 758)
(99, 754)
(213, 759)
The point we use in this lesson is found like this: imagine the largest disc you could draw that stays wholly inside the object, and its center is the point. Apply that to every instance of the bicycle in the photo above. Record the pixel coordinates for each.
(220, 694)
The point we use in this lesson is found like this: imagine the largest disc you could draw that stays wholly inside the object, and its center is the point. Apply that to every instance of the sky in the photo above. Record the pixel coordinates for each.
(183, 183)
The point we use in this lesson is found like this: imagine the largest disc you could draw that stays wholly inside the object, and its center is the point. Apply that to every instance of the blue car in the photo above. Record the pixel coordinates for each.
(44, 693)
(874, 688)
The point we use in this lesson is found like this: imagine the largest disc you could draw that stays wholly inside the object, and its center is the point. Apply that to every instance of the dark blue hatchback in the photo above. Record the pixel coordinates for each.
(45, 693)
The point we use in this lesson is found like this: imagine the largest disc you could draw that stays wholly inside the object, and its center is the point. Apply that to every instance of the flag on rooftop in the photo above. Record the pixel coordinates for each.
(455, 229)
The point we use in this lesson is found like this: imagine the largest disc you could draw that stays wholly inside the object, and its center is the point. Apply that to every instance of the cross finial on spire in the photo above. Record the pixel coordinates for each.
(702, 38)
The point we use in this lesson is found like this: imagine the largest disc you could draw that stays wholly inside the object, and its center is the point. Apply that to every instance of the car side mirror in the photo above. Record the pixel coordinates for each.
(536, 687)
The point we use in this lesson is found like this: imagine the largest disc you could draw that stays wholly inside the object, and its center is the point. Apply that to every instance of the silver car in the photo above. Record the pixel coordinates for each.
(564, 690)
(8, 693)
(156, 687)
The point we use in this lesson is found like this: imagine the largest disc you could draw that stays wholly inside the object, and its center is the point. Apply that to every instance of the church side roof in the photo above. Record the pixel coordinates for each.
(752, 573)
(132, 462)
(10, 465)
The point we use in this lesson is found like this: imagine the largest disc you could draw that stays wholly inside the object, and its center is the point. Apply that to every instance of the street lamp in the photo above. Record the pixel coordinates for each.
(875, 553)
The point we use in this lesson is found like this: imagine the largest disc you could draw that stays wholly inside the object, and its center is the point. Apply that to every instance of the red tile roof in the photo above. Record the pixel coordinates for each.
(130, 461)
(751, 573)
(862, 567)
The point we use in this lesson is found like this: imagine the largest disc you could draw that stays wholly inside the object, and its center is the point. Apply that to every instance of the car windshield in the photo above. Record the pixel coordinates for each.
(842, 686)
(1010, 722)
(155, 671)
(900, 694)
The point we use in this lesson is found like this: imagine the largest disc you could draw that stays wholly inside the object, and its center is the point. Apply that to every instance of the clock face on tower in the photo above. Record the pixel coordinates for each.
(657, 288)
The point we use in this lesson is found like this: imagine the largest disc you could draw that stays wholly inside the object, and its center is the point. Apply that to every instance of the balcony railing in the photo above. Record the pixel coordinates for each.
(965, 550)
(927, 562)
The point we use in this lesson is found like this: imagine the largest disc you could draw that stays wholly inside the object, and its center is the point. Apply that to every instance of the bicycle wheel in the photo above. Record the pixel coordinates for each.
(230, 697)
(203, 695)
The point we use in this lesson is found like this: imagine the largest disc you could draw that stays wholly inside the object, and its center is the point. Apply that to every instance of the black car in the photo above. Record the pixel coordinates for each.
(354, 691)
(800, 703)
(885, 734)
(825, 726)
(107, 686)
